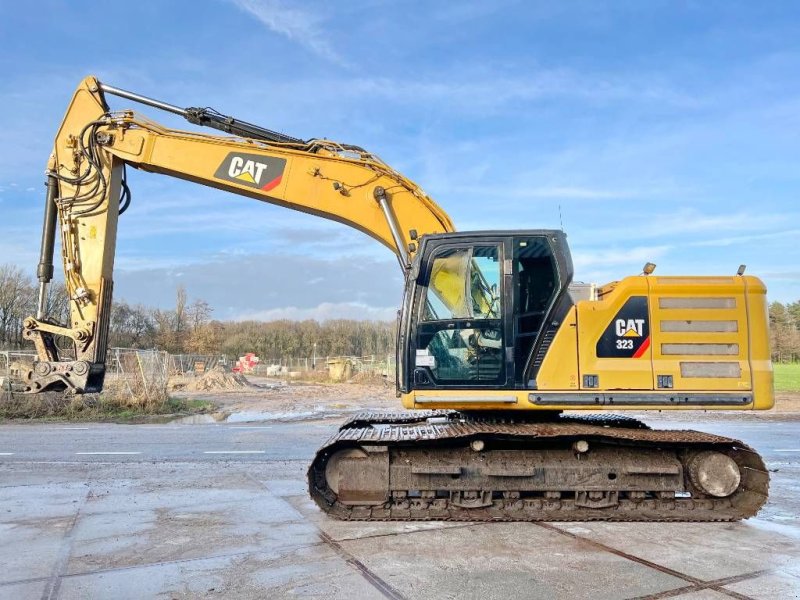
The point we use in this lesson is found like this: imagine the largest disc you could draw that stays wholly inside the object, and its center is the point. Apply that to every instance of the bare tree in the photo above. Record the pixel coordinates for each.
(181, 317)
(199, 314)
(172, 325)
(16, 301)
(132, 326)
(57, 306)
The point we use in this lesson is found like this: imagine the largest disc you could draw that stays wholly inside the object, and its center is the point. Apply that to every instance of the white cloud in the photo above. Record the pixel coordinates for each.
(573, 192)
(698, 228)
(744, 239)
(323, 312)
(587, 259)
(480, 88)
(523, 192)
(296, 24)
(270, 284)
(791, 276)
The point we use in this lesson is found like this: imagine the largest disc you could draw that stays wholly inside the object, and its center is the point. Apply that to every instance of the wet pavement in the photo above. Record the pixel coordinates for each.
(220, 511)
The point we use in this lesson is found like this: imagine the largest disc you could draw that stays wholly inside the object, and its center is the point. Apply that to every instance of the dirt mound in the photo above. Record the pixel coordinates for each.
(219, 379)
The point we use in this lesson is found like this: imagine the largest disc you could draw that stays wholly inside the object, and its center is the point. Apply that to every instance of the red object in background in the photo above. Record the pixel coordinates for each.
(246, 363)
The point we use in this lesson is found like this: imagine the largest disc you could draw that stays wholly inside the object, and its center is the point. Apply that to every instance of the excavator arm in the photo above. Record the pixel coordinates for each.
(86, 192)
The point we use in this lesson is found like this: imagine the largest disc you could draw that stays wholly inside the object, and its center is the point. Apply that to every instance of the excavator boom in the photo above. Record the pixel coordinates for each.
(86, 191)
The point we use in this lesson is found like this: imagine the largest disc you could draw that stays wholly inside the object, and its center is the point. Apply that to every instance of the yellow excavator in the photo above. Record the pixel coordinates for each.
(495, 341)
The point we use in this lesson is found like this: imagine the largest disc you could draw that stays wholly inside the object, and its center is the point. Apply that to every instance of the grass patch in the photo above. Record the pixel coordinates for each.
(96, 407)
(787, 377)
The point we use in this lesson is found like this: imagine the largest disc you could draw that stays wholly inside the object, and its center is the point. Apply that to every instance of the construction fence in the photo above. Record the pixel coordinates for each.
(10, 360)
(143, 375)
(195, 364)
(338, 367)
(140, 376)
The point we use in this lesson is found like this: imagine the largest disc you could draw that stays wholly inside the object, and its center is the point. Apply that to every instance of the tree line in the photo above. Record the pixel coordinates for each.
(784, 331)
(189, 327)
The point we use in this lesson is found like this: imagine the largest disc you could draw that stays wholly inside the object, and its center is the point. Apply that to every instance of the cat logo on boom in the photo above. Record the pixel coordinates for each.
(246, 170)
(253, 170)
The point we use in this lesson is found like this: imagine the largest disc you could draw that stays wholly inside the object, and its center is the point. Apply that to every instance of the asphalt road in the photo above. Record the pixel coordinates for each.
(187, 511)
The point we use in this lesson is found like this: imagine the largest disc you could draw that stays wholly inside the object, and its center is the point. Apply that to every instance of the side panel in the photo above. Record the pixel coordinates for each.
(559, 370)
(760, 355)
(700, 333)
(614, 348)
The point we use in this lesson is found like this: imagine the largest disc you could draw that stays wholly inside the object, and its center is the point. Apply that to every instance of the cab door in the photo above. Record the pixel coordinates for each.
(460, 337)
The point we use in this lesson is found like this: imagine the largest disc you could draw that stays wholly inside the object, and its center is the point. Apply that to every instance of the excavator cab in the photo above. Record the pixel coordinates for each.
(478, 307)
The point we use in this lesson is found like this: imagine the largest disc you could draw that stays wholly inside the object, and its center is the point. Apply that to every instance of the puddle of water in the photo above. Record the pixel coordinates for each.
(784, 524)
(250, 416)
(199, 419)
(319, 412)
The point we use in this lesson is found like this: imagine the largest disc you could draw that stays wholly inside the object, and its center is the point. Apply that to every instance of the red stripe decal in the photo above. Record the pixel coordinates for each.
(272, 184)
(643, 348)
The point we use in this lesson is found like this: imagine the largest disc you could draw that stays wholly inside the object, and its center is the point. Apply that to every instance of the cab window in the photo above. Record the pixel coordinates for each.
(460, 335)
(464, 283)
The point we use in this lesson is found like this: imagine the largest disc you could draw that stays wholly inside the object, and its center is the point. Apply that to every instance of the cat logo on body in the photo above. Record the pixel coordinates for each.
(630, 327)
(252, 170)
(628, 334)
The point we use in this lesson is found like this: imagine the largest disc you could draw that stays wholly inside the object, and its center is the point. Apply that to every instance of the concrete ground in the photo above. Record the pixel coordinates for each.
(220, 511)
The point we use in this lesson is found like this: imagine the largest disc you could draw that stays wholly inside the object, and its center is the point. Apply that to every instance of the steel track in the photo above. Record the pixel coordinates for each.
(432, 430)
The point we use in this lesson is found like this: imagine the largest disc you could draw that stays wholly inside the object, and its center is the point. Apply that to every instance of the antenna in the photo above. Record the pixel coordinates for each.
(560, 218)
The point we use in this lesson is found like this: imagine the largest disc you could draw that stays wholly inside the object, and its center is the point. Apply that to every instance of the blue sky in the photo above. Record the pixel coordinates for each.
(664, 131)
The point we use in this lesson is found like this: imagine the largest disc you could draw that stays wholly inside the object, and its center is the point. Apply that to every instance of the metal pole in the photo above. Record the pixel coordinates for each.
(45, 269)
(110, 89)
(208, 118)
(6, 386)
(402, 251)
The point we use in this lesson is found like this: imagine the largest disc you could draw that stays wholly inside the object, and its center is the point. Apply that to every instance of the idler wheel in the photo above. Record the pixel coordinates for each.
(334, 466)
(714, 473)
